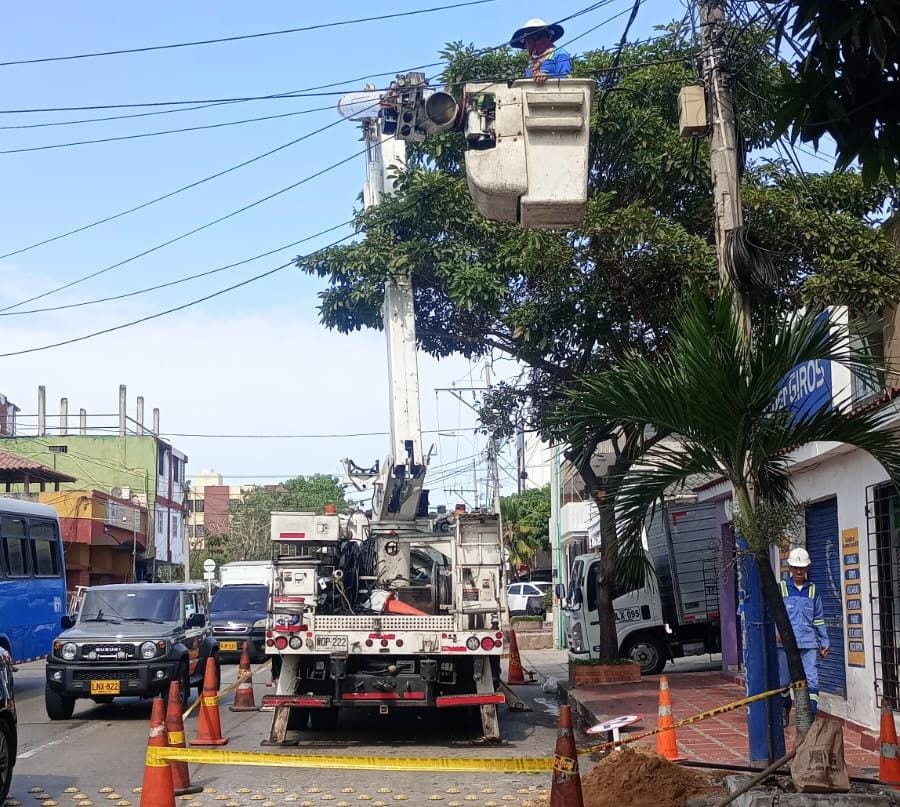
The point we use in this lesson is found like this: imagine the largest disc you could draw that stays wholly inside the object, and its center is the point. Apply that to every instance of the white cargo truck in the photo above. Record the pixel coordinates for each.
(675, 614)
(241, 572)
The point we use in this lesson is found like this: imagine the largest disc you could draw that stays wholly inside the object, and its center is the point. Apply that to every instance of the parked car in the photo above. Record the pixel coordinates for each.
(8, 735)
(238, 614)
(130, 639)
(527, 598)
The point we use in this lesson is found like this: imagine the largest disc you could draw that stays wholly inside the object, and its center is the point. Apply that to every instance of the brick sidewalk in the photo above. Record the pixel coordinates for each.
(717, 739)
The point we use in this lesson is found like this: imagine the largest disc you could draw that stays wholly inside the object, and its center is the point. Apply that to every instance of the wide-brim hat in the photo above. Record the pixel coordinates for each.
(554, 32)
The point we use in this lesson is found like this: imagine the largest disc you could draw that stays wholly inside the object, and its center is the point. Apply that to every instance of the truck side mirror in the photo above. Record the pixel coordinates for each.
(560, 591)
(67, 622)
(196, 620)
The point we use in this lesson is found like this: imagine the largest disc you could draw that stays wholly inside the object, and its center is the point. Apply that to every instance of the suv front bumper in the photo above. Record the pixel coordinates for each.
(141, 679)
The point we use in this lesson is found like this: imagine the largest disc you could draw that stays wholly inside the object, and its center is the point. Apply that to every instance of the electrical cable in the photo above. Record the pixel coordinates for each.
(241, 37)
(141, 135)
(189, 233)
(176, 282)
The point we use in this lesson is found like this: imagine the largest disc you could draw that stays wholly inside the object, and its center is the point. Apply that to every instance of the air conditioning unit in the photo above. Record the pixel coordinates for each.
(120, 492)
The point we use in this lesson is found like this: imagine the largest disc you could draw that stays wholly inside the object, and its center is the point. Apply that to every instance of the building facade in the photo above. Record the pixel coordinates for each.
(209, 502)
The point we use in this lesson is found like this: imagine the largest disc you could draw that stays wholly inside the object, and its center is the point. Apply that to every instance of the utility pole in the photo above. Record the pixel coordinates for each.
(766, 734)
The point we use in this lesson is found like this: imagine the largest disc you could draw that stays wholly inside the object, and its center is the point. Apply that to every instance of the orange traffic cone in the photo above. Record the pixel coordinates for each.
(565, 789)
(209, 726)
(175, 730)
(514, 672)
(243, 698)
(158, 787)
(666, 744)
(888, 763)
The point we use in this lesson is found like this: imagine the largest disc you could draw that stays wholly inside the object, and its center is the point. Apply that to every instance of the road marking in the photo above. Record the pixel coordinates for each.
(44, 747)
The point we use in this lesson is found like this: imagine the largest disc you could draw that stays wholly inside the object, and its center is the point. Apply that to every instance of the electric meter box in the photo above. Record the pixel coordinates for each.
(306, 527)
(692, 120)
(527, 150)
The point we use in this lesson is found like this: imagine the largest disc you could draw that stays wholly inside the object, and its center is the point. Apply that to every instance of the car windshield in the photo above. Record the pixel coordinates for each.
(130, 605)
(241, 598)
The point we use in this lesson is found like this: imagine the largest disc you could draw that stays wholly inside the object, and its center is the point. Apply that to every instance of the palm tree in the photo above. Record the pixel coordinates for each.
(521, 540)
(719, 394)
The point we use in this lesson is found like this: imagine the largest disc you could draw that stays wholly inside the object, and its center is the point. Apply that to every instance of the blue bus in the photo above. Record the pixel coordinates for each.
(32, 579)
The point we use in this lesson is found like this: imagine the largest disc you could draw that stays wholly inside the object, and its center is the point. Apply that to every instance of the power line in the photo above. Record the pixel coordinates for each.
(189, 233)
(240, 37)
(173, 282)
(164, 196)
(165, 131)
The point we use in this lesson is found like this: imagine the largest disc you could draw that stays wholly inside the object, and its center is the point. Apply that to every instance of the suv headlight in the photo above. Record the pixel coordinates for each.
(261, 623)
(148, 650)
(68, 651)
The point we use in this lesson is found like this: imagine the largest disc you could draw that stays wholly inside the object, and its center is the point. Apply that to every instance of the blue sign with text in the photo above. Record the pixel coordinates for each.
(806, 389)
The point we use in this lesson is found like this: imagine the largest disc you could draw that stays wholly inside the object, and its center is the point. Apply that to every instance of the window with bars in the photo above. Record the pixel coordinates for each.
(883, 528)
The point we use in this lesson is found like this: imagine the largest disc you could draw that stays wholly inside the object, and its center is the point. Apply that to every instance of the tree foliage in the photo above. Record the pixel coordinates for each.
(526, 519)
(247, 536)
(845, 78)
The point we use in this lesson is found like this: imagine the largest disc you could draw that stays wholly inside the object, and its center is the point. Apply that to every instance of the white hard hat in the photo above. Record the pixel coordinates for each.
(532, 27)
(799, 558)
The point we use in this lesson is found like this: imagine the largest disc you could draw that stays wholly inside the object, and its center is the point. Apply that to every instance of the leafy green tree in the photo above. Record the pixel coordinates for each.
(845, 78)
(526, 519)
(247, 537)
(566, 303)
(718, 394)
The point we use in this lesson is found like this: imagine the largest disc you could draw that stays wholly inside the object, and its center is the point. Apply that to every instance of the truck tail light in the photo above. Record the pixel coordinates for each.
(487, 643)
(281, 642)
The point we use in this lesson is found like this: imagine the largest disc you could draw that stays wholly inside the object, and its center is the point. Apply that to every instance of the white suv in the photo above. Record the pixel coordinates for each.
(526, 598)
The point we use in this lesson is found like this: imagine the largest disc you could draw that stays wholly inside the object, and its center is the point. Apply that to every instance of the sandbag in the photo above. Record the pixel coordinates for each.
(819, 766)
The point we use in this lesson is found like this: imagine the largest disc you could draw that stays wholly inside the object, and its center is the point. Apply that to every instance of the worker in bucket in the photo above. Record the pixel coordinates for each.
(547, 60)
(804, 608)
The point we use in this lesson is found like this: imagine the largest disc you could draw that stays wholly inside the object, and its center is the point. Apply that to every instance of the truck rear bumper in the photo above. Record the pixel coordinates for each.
(368, 699)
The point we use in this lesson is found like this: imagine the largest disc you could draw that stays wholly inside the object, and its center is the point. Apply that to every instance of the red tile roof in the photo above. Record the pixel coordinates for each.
(12, 465)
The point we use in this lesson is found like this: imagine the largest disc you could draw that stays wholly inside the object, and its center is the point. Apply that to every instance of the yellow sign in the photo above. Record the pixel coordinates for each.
(852, 574)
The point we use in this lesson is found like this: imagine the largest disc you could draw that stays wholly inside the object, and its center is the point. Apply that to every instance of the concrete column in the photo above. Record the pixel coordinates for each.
(123, 399)
(140, 414)
(63, 415)
(156, 421)
(42, 411)
(82, 421)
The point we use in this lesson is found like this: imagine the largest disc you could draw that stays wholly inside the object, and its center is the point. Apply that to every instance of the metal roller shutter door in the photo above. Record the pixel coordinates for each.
(824, 547)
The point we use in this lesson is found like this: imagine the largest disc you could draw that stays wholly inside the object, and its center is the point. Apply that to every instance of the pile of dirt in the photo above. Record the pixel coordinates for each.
(639, 778)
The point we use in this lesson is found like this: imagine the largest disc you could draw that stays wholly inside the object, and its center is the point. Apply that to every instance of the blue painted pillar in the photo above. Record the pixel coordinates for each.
(760, 663)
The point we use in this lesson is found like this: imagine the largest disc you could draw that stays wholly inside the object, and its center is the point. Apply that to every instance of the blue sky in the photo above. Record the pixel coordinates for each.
(255, 360)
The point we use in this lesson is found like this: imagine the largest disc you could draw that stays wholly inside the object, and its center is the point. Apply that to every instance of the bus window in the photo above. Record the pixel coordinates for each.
(14, 546)
(44, 549)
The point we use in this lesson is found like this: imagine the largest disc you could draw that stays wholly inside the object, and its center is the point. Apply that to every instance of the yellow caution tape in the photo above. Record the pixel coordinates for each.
(203, 756)
(719, 710)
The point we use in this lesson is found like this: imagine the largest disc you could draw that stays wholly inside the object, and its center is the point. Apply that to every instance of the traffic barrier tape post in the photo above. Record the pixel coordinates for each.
(719, 710)
(241, 677)
(416, 764)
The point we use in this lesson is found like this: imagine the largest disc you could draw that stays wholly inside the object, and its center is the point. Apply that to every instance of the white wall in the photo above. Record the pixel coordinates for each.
(846, 476)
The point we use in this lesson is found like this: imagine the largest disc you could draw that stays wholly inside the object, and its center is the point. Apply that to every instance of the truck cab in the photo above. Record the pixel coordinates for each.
(674, 614)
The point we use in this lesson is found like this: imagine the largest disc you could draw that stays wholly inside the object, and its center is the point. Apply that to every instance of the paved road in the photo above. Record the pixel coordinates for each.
(104, 746)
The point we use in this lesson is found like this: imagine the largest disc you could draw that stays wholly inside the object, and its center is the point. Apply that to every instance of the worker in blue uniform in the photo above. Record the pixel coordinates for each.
(547, 60)
(804, 608)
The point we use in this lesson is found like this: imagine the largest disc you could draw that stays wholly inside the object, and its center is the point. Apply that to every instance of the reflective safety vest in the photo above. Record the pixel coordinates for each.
(804, 608)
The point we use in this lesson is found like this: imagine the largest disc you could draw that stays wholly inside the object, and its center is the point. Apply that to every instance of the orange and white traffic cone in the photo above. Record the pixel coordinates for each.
(209, 726)
(243, 697)
(666, 744)
(175, 731)
(888, 762)
(514, 672)
(565, 789)
(158, 787)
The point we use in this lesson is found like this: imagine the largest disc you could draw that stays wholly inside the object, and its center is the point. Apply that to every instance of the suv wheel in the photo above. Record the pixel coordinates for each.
(184, 685)
(7, 743)
(59, 707)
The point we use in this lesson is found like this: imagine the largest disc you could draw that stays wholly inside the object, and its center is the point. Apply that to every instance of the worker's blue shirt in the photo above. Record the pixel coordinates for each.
(557, 64)
(804, 608)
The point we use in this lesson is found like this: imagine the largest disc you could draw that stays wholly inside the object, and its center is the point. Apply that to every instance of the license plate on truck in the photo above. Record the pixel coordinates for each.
(106, 687)
(228, 646)
(331, 642)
